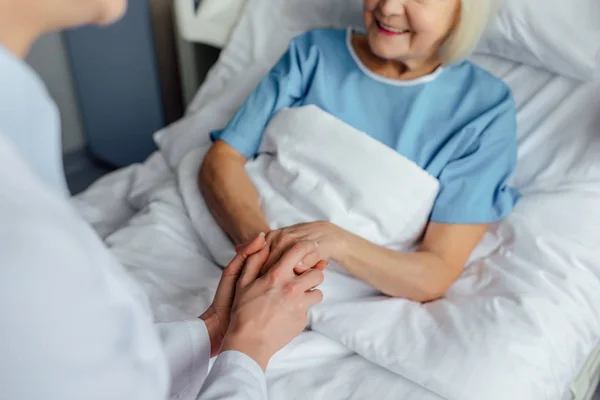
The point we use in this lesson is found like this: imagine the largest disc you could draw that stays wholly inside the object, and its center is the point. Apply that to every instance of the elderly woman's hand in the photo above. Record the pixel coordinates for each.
(328, 237)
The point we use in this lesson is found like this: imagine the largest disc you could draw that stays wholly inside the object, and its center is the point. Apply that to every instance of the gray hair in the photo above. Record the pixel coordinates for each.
(475, 17)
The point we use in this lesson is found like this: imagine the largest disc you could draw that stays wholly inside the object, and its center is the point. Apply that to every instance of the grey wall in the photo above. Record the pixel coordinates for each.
(118, 86)
(48, 57)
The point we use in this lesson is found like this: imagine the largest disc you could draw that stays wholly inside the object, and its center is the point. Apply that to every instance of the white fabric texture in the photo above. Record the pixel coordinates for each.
(524, 308)
(23, 94)
(519, 323)
(314, 167)
(114, 199)
(75, 325)
(560, 36)
(499, 303)
(234, 376)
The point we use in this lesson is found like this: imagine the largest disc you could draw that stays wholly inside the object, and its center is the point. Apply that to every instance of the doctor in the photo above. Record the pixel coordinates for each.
(74, 326)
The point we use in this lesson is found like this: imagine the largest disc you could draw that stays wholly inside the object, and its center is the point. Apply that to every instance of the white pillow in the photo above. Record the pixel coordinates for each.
(560, 36)
(261, 37)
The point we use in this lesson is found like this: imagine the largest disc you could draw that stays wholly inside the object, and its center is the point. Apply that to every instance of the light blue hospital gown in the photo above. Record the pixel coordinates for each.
(458, 124)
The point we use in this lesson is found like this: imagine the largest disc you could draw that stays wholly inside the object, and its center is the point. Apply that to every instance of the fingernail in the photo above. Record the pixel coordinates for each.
(262, 234)
(317, 244)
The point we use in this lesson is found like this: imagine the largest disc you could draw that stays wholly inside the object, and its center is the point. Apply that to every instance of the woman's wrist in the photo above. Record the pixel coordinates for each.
(342, 245)
(250, 231)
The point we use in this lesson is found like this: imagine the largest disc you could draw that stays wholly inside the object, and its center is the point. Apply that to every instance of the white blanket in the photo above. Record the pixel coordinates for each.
(502, 326)
(313, 167)
(519, 323)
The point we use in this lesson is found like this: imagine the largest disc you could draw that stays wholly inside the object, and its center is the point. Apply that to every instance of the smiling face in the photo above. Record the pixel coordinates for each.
(409, 30)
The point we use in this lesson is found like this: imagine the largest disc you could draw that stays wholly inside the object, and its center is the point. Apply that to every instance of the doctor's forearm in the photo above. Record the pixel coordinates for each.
(418, 276)
(230, 196)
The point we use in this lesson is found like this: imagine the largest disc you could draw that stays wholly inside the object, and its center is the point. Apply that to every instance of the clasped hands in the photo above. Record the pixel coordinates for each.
(262, 300)
(327, 236)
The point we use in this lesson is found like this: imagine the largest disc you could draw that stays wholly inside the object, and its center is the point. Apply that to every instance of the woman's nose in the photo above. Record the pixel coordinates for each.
(392, 7)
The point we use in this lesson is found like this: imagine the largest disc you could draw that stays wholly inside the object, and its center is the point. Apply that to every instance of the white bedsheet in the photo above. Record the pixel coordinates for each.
(525, 334)
(501, 328)
(544, 277)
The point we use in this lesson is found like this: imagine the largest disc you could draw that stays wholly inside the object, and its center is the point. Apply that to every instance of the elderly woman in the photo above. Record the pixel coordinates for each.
(405, 83)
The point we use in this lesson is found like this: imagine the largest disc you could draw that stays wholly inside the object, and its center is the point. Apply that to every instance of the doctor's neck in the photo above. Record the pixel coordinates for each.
(18, 28)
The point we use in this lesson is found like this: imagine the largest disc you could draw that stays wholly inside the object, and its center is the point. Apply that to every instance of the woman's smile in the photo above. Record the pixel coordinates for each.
(390, 30)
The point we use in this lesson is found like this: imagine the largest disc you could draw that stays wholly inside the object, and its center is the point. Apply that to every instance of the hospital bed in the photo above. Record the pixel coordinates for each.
(559, 141)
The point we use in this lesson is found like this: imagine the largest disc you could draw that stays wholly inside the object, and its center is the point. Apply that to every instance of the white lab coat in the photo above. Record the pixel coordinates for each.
(74, 325)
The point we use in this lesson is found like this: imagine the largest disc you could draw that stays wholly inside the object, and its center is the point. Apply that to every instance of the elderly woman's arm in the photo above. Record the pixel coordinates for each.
(423, 276)
(230, 195)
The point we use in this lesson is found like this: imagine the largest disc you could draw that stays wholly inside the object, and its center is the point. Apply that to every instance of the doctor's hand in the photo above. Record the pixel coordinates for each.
(270, 311)
(217, 316)
(327, 236)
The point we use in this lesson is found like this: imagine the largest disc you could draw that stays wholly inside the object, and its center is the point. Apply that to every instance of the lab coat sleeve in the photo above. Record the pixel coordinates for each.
(187, 347)
(234, 376)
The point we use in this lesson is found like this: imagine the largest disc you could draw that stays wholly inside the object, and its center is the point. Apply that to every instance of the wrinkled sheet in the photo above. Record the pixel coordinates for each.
(519, 323)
